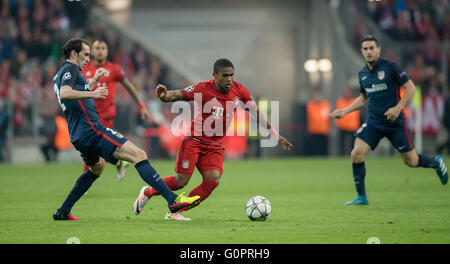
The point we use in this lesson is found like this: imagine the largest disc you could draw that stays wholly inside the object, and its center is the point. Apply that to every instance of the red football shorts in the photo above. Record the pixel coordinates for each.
(193, 153)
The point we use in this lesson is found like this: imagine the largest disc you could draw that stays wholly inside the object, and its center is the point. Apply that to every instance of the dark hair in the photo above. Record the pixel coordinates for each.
(100, 41)
(369, 38)
(75, 44)
(222, 63)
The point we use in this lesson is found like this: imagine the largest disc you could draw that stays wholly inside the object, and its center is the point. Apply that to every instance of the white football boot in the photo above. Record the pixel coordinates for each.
(140, 201)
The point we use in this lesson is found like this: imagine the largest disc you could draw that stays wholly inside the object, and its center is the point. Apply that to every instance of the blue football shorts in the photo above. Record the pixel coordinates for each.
(399, 136)
(106, 144)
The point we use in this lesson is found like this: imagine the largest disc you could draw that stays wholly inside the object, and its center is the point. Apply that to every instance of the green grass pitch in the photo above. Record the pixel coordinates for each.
(307, 195)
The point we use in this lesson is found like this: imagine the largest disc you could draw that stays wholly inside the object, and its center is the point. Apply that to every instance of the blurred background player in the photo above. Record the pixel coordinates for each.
(101, 73)
(200, 149)
(380, 82)
(95, 142)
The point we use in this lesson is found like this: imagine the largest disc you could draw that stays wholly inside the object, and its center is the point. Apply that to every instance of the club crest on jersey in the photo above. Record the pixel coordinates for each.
(190, 88)
(88, 74)
(236, 101)
(67, 76)
(381, 75)
(185, 164)
(106, 73)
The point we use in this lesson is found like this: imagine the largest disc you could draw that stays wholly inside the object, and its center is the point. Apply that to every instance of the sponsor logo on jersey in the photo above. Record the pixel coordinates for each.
(376, 88)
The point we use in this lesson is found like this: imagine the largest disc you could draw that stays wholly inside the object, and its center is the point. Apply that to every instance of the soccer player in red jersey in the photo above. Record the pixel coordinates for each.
(203, 149)
(101, 73)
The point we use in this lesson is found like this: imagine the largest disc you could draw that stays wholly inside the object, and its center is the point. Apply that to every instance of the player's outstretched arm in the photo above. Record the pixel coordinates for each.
(168, 96)
(285, 144)
(67, 93)
(145, 114)
(359, 103)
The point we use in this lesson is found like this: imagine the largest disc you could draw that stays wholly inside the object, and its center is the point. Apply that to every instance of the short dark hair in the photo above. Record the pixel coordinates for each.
(369, 38)
(100, 41)
(222, 63)
(75, 44)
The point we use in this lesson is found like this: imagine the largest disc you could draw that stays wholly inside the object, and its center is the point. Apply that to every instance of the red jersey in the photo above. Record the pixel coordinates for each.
(217, 109)
(114, 73)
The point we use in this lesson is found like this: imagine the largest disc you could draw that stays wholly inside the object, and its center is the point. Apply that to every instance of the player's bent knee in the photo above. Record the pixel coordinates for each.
(98, 168)
(357, 156)
(140, 155)
(182, 180)
(212, 175)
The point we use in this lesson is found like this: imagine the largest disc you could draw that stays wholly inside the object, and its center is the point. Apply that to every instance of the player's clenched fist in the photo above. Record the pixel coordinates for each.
(100, 93)
(161, 91)
(99, 73)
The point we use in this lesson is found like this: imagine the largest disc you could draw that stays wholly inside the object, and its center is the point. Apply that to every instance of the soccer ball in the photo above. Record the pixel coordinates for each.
(258, 208)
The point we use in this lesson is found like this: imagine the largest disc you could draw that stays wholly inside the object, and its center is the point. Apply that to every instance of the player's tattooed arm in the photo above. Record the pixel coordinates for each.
(262, 118)
(168, 96)
(145, 114)
(67, 93)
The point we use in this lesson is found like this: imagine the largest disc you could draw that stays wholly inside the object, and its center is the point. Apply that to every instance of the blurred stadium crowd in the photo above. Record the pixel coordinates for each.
(31, 36)
(419, 21)
(32, 33)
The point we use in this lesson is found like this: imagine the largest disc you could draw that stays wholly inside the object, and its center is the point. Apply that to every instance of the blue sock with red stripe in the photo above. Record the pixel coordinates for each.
(152, 178)
(83, 183)
(427, 162)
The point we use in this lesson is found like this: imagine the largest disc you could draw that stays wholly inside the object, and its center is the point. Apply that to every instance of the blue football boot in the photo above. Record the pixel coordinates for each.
(359, 200)
(441, 170)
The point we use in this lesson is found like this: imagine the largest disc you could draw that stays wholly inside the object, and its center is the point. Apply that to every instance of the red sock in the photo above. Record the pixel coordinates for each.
(170, 181)
(203, 190)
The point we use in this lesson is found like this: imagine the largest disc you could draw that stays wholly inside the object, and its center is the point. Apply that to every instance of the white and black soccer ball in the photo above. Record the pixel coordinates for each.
(258, 208)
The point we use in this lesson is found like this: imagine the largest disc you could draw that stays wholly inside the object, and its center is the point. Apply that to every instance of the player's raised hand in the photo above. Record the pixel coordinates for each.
(99, 73)
(338, 113)
(100, 93)
(285, 144)
(161, 91)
